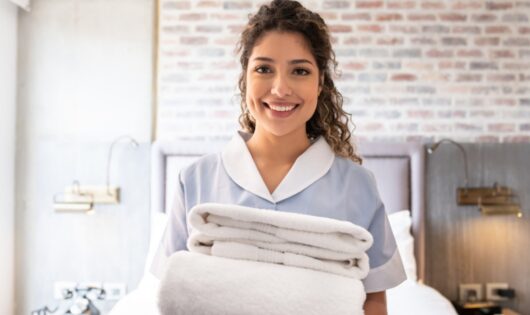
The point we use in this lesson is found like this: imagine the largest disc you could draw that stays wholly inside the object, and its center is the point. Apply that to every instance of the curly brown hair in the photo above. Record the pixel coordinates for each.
(329, 120)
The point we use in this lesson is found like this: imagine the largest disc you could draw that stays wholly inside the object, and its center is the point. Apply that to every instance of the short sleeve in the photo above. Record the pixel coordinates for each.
(386, 267)
(175, 235)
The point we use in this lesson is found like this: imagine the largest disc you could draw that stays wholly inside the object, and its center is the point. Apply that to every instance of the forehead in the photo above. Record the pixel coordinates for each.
(282, 46)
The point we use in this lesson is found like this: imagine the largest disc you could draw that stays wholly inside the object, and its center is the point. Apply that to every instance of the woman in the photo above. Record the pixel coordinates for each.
(294, 153)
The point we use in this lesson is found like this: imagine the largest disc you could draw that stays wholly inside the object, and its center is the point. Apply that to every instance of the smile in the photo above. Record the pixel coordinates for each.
(281, 107)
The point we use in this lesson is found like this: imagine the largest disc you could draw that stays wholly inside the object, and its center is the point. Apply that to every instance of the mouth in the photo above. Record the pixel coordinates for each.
(281, 107)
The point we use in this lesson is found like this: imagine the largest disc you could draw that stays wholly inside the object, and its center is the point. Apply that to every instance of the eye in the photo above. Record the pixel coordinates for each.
(263, 69)
(301, 71)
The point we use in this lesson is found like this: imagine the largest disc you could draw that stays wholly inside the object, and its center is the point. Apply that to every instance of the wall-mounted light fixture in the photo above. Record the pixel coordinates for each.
(490, 200)
(73, 201)
(77, 198)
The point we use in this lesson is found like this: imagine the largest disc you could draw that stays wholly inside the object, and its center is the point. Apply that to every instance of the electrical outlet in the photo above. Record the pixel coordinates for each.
(114, 291)
(491, 295)
(470, 292)
(60, 288)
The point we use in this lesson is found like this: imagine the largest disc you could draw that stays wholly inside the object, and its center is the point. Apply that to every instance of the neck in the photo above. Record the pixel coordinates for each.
(282, 149)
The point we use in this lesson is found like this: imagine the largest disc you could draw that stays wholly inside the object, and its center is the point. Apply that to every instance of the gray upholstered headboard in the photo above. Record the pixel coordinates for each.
(398, 169)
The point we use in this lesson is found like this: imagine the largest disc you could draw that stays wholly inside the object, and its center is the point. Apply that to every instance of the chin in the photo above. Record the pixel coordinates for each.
(282, 132)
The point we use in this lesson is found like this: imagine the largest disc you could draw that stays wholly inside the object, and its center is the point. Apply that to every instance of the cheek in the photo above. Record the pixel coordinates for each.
(312, 98)
(249, 91)
(251, 96)
(255, 89)
(311, 92)
(251, 86)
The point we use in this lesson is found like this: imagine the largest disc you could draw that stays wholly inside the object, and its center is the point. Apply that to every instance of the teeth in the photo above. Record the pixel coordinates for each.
(282, 108)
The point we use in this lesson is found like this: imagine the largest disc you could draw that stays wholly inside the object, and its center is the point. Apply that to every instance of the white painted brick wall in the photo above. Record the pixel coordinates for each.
(411, 70)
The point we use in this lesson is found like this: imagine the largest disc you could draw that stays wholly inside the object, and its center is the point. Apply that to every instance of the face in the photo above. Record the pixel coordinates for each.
(282, 83)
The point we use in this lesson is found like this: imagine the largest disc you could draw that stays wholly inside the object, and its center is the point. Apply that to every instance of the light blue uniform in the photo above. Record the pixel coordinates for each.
(319, 183)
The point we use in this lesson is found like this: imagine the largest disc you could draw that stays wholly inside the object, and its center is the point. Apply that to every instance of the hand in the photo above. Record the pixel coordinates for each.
(375, 303)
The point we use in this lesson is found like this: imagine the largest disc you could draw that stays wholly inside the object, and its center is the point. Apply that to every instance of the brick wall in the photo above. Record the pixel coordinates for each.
(410, 70)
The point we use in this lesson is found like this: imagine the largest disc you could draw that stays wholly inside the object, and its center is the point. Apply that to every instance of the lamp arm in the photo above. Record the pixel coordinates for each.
(109, 157)
(435, 146)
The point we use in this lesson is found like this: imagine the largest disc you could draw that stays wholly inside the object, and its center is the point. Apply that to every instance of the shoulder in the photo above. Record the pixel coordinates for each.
(351, 172)
(205, 166)
(355, 179)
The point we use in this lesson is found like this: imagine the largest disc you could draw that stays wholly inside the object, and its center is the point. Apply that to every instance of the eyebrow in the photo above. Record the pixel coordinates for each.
(292, 62)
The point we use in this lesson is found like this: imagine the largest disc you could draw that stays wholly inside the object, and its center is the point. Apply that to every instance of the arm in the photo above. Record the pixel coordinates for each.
(375, 303)
(175, 235)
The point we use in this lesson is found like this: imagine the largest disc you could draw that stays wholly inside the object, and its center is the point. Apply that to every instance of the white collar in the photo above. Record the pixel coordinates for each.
(308, 167)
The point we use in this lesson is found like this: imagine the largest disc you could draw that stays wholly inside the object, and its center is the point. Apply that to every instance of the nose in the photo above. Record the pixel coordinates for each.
(280, 86)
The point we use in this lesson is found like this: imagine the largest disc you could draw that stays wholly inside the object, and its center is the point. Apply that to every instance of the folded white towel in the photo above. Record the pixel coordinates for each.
(264, 262)
(291, 239)
(198, 284)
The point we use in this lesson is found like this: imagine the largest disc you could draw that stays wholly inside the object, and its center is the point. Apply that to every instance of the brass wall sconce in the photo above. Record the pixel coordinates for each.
(490, 200)
(77, 198)
(74, 200)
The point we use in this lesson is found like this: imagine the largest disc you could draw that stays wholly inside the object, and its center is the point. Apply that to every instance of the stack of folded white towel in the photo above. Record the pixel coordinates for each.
(248, 261)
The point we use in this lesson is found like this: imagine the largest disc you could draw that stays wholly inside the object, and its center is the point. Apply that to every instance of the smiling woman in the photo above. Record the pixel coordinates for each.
(293, 155)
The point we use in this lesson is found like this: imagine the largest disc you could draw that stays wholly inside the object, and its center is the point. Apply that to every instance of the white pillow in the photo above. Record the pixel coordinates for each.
(401, 223)
(158, 225)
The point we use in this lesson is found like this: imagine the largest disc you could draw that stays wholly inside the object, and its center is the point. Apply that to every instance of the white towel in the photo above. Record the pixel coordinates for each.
(248, 261)
(272, 236)
(198, 284)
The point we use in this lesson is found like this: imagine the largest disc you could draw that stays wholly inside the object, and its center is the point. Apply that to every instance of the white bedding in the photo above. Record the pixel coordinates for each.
(413, 298)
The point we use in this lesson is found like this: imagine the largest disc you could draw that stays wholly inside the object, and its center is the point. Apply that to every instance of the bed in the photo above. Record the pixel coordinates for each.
(399, 172)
